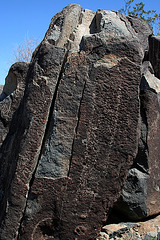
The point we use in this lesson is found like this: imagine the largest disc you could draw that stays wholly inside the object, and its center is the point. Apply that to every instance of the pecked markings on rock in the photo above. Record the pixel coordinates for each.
(141, 190)
(21, 148)
(51, 177)
(42, 79)
(55, 159)
(72, 180)
(66, 107)
(101, 153)
(152, 108)
(93, 137)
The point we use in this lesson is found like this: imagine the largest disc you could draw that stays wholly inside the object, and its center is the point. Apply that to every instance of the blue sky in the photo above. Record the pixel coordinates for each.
(31, 18)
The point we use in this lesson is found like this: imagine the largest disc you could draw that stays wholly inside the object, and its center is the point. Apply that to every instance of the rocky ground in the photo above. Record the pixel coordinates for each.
(148, 230)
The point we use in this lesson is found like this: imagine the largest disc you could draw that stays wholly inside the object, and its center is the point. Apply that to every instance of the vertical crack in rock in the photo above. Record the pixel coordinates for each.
(54, 161)
(76, 129)
(132, 202)
(141, 161)
(92, 151)
(139, 194)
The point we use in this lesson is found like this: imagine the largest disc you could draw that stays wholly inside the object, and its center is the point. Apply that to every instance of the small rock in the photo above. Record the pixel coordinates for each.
(115, 229)
(103, 236)
(130, 236)
(151, 236)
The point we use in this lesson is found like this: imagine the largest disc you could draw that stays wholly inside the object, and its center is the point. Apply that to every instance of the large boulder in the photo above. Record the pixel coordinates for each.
(140, 194)
(75, 134)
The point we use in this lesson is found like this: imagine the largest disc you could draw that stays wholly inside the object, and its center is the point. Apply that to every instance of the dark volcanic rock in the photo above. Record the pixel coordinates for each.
(55, 159)
(75, 134)
(142, 30)
(88, 126)
(152, 108)
(11, 95)
(82, 200)
(21, 148)
(140, 194)
(154, 54)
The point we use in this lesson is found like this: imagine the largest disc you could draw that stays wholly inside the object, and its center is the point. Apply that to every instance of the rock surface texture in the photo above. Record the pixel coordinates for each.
(88, 115)
(11, 95)
(140, 194)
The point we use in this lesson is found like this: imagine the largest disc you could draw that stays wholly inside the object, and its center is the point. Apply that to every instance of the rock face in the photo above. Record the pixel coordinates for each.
(154, 56)
(140, 194)
(11, 95)
(77, 130)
